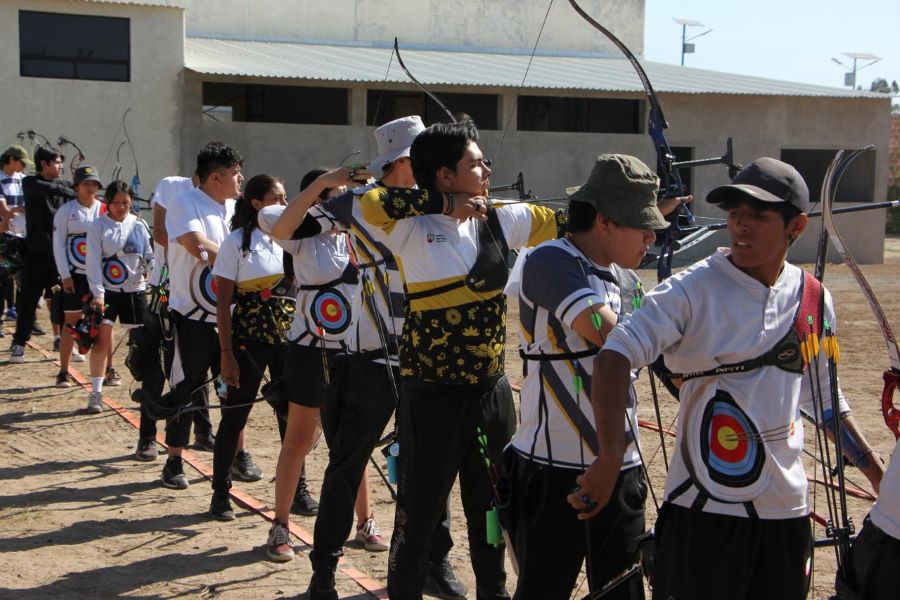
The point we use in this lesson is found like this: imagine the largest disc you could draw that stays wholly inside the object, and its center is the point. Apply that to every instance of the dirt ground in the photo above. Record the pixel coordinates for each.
(80, 518)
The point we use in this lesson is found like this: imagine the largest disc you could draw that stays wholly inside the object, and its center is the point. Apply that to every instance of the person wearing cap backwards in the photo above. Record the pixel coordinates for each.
(611, 224)
(13, 162)
(735, 517)
(454, 394)
(355, 415)
(44, 194)
(70, 226)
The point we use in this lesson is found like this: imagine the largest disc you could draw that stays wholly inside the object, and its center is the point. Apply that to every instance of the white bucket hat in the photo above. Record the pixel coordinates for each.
(394, 139)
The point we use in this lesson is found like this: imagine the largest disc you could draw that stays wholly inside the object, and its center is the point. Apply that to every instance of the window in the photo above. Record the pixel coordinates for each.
(582, 115)
(857, 184)
(382, 107)
(255, 103)
(74, 46)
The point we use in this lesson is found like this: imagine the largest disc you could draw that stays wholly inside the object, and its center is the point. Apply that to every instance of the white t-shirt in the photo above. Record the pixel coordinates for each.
(118, 255)
(258, 269)
(166, 191)
(192, 290)
(70, 226)
(317, 260)
(740, 435)
(886, 512)
(546, 314)
(11, 190)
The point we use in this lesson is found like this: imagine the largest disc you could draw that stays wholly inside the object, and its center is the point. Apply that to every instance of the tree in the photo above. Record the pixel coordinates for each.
(881, 85)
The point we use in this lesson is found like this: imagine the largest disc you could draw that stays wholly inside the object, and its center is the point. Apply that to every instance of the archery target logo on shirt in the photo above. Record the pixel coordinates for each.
(114, 271)
(77, 250)
(730, 444)
(203, 288)
(331, 311)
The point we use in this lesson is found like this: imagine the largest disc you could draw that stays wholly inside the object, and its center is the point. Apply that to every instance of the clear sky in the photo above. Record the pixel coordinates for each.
(792, 40)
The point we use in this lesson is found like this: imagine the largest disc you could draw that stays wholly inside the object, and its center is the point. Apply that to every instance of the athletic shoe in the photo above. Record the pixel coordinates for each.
(11, 313)
(441, 582)
(173, 474)
(220, 507)
(278, 544)
(64, 380)
(205, 441)
(304, 504)
(2, 333)
(146, 450)
(95, 402)
(56, 343)
(112, 378)
(78, 357)
(368, 535)
(37, 329)
(17, 353)
(244, 469)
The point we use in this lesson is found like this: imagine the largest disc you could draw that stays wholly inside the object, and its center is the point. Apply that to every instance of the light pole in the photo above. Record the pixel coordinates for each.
(850, 78)
(685, 47)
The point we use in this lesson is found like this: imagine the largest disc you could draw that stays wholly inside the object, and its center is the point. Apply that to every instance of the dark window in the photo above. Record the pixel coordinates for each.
(74, 46)
(382, 107)
(256, 103)
(583, 115)
(856, 185)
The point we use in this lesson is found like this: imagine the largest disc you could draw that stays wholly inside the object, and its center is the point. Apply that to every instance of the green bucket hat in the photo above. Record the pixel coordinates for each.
(624, 189)
(18, 152)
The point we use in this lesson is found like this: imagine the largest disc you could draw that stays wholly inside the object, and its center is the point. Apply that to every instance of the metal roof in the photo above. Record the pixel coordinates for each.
(367, 63)
(168, 3)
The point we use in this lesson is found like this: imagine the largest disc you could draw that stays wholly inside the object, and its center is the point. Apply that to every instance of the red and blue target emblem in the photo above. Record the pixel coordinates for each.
(730, 444)
(331, 311)
(203, 288)
(77, 250)
(114, 271)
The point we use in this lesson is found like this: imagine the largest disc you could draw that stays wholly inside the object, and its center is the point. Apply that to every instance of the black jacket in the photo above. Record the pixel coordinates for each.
(42, 199)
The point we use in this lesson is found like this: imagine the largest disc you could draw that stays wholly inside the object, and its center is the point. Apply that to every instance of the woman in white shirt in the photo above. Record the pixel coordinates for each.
(119, 256)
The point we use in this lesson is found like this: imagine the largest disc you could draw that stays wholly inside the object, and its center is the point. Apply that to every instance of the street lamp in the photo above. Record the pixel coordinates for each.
(685, 47)
(850, 78)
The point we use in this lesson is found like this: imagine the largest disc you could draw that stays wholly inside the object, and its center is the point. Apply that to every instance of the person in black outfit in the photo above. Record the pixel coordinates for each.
(44, 194)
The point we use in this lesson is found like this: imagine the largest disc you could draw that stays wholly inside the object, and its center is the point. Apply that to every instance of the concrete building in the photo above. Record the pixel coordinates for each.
(295, 84)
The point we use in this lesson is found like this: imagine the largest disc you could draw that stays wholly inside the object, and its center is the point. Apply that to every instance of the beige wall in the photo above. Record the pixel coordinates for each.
(90, 112)
(501, 23)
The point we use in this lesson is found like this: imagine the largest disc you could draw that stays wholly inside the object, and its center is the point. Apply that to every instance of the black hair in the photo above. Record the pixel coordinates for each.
(787, 210)
(441, 145)
(582, 216)
(245, 214)
(214, 156)
(116, 187)
(5, 159)
(46, 154)
(311, 176)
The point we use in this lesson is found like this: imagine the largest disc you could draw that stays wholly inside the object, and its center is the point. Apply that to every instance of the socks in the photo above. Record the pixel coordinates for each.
(97, 384)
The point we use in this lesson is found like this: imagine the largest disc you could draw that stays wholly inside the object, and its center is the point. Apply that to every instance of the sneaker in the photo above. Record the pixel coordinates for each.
(173, 474)
(205, 441)
(112, 378)
(441, 582)
(17, 353)
(220, 507)
(95, 403)
(278, 544)
(64, 380)
(38, 330)
(244, 469)
(11, 313)
(2, 333)
(146, 450)
(56, 343)
(368, 535)
(78, 357)
(304, 504)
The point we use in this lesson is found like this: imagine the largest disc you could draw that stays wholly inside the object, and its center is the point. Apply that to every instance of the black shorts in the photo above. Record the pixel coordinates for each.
(128, 307)
(75, 302)
(304, 375)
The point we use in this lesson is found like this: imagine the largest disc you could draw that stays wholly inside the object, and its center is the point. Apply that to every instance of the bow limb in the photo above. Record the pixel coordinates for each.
(136, 179)
(891, 375)
(419, 83)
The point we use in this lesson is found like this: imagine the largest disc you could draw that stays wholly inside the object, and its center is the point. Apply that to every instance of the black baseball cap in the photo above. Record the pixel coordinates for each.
(768, 180)
(83, 174)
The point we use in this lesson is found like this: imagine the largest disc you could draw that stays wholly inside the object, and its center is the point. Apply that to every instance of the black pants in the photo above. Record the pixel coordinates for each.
(549, 539)
(874, 563)
(37, 275)
(438, 439)
(703, 555)
(198, 346)
(252, 359)
(154, 378)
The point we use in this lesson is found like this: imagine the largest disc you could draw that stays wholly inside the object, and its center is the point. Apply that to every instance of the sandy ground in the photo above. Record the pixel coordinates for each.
(80, 518)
